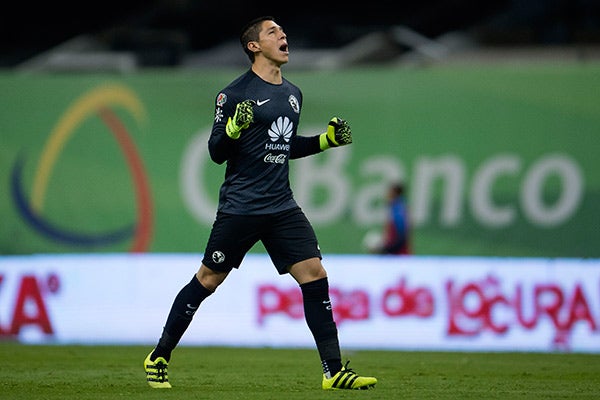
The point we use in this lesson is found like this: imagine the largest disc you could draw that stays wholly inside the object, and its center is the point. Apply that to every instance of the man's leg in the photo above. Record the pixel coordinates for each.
(319, 318)
(185, 305)
(318, 313)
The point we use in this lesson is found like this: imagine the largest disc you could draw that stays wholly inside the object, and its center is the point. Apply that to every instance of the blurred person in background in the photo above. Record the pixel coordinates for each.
(255, 133)
(395, 235)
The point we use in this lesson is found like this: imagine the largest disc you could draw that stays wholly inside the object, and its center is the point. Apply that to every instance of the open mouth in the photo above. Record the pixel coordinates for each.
(283, 47)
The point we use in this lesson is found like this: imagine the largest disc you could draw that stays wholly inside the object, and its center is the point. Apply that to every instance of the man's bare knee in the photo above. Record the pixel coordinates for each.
(209, 278)
(308, 270)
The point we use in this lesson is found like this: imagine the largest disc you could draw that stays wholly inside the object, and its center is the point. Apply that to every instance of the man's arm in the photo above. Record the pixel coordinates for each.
(338, 134)
(303, 146)
(225, 134)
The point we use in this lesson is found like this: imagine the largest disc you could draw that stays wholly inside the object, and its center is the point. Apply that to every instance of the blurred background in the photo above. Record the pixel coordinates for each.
(189, 33)
(486, 111)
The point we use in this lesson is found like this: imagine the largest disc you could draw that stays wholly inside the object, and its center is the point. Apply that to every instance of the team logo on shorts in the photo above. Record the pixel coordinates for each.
(218, 257)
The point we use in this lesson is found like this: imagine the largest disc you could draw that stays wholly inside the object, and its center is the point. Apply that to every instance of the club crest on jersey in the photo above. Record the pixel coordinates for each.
(221, 99)
(294, 103)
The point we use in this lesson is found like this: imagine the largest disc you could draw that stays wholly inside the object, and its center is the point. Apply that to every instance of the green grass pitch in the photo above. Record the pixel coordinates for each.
(116, 372)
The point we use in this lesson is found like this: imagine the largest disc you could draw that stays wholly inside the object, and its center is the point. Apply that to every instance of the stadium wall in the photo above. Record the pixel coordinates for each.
(380, 302)
(498, 160)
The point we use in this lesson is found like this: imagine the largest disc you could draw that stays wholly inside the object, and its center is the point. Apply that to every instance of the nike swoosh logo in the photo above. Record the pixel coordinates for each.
(192, 308)
(261, 102)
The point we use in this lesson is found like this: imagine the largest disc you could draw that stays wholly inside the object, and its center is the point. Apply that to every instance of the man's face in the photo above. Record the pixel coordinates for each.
(272, 42)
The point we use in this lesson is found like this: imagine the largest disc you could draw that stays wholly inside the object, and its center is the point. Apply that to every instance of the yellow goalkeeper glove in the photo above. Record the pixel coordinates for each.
(338, 134)
(243, 117)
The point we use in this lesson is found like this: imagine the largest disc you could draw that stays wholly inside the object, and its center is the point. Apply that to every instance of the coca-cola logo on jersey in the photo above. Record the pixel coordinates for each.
(275, 158)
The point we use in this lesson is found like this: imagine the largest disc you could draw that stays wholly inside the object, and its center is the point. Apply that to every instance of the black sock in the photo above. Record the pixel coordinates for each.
(319, 318)
(182, 311)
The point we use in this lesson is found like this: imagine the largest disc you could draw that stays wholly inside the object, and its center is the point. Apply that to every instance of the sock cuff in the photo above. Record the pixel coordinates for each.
(322, 282)
(316, 288)
(199, 288)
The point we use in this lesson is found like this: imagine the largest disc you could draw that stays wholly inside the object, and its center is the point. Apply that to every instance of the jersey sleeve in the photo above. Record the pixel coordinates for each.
(220, 144)
(303, 146)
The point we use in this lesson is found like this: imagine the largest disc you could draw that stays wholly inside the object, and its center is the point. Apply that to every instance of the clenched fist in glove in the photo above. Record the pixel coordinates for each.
(338, 134)
(243, 117)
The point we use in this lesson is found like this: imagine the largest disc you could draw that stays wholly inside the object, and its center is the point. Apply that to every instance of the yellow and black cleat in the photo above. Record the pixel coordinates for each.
(156, 372)
(348, 379)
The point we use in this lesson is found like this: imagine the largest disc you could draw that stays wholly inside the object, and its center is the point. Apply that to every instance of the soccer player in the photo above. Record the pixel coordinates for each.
(396, 230)
(255, 133)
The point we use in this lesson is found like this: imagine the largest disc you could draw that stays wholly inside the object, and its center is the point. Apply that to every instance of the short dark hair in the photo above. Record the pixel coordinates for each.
(397, 188)
(250, 33)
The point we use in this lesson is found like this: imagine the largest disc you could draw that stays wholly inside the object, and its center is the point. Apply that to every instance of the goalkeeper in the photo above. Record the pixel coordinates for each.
(255, 134)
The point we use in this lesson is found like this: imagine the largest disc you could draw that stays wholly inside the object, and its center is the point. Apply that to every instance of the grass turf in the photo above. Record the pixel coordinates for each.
(111, 372)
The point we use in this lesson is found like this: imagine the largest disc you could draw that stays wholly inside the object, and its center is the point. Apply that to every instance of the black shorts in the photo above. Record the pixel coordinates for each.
(287, 236)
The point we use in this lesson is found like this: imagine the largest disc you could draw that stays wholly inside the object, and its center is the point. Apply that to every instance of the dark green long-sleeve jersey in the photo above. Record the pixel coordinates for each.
(257, 173)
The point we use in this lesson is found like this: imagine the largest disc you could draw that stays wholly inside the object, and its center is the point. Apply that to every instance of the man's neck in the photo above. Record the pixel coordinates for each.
(268, 72)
